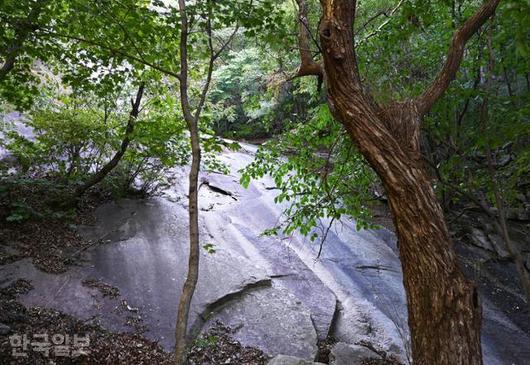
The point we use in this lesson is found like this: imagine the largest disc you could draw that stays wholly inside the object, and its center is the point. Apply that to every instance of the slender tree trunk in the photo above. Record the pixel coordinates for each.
(443, 309)
(192, 121)
(193, 209)
(502, 228)
(106, 169)
(193, 261)
(500, 216)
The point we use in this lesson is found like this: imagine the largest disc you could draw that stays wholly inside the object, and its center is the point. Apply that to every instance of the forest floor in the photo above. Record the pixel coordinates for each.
(48, 238)
(105, 347)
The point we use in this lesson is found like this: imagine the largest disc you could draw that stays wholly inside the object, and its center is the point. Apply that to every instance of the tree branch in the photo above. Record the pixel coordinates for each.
(114, 50)
(454, 56)
(380, 27)
(22, 31)
(307, 65)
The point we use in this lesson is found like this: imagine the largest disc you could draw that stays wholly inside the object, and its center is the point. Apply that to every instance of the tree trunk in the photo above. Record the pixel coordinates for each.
(192, 122)
(105, 170)
(444, 314)
(193, 261)
(443, 309)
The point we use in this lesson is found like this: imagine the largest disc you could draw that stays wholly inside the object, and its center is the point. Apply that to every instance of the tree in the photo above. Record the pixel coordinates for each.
(208, 11)
(193, 208)
(443, 308)
(113, 162)
(22, 30)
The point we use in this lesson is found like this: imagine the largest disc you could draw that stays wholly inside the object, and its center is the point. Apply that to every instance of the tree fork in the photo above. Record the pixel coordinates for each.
(443, 308)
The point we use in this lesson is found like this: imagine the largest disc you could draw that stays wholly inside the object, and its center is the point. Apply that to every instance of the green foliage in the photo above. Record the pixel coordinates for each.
(78, 61)
(209, 248)
(23, 199)
(249, 98)
(205, 342)
(461, 133)
(72, 142)
(318, 174)
(63, 142)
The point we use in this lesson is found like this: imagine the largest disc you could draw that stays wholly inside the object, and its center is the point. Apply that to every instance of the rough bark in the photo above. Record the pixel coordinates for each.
(106, 169)
(307, 65)
(443, 309)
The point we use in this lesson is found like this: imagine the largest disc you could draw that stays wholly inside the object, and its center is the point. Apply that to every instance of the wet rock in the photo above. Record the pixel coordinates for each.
(291, 360)
(142, 248)
(479, 239)
(499, 245)
(346, 354)
(488, 241)
(271, 319)
(4, 329)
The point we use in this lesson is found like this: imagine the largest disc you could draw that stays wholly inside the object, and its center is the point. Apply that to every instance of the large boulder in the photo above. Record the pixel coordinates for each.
(271, 319)
(346, 354)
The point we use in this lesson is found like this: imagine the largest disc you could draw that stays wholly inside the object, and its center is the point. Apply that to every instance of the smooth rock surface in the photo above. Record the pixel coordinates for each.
(347, 354)
(262, 316)
(290, 360)
(261, 286)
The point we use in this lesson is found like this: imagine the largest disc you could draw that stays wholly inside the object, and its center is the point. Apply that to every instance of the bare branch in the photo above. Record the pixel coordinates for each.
(380, 27)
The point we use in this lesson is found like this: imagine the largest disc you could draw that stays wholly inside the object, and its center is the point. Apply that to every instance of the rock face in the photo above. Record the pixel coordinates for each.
(271, 291)
(346, 354)
(290, 360)
(264, 315)
(4, 329)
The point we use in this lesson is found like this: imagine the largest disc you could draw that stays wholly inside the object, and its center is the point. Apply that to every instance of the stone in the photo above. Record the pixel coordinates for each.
(145, 255)
(271, 319)
(4, 329)
(479, 239)
(499, 245)
(291, 360)
(346, 354)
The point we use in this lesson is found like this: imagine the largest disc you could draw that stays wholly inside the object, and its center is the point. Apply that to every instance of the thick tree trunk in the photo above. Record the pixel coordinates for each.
(444, 314)
(443, 309)
(105, 170)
